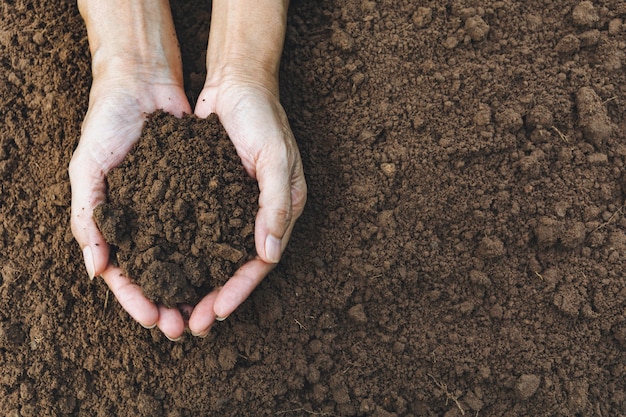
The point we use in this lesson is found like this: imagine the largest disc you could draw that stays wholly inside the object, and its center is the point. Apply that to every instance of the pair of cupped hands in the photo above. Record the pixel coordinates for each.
(250, 111)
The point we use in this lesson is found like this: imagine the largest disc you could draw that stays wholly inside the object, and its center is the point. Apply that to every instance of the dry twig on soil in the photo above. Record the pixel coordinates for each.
(449, 396)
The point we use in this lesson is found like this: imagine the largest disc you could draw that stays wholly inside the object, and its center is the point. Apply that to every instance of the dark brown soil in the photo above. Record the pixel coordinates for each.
(181, 208)
(462, 251)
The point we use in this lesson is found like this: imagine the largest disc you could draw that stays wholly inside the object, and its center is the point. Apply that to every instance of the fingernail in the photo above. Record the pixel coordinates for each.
(201, 335)
(174, 340)
(89, 264)
(272, 248)
(148, 327)
(220, 318)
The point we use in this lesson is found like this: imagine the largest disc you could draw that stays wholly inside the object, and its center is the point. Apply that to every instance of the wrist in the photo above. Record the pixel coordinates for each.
(132, 38)
(114, 70)
(246, 42)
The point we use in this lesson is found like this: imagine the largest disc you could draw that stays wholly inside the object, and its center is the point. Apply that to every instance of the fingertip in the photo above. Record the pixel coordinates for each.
(201, 112)
(172, 339)
(270, 234)
(239, 287)
(222, 311)
(202, 109)
(171, 323)
(130, 297)
(100, 253)
(202, 334)
(203, 316)
(272, 249)
(272, 224)
(148, 321)
(89, 262)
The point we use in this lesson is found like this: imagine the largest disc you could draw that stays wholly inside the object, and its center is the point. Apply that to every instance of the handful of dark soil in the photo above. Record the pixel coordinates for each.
(181, 209)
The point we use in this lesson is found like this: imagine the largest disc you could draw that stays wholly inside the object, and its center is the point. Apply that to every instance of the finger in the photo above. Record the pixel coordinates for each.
(204, 105)
(88, 190)
(171, 323)
(275, 209)
(131, 298)
(203, 315)
(240, 286)
(281, 201)
(177, 105)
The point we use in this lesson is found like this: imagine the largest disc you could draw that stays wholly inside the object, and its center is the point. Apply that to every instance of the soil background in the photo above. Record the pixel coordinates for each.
(461, 253)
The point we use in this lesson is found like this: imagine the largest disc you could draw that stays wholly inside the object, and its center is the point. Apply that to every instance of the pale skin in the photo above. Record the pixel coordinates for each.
(137, 70)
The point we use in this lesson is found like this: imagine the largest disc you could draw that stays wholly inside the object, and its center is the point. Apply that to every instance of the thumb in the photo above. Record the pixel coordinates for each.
(88, 190)
(274, 218)
(205, 104)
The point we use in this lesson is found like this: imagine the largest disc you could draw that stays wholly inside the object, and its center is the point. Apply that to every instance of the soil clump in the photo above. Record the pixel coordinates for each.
(181, 209)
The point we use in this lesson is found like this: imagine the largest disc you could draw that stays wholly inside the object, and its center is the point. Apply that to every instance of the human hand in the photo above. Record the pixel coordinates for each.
(243, 57)
(258, 127)
(142, 33)
(117, 110)
(137, 70)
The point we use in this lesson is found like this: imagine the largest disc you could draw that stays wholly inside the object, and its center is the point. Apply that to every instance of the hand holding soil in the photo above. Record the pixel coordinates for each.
(138, 73)
(259, 129)
(180, 210)
(464, 253)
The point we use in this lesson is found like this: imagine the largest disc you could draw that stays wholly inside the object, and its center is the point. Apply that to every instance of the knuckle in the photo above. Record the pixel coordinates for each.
(283, 216)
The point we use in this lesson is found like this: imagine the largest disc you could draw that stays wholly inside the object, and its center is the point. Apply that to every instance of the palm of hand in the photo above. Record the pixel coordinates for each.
(111, 127)
(258, 127)
(114, 121)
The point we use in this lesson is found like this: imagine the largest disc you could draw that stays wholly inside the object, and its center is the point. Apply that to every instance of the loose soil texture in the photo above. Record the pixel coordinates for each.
(181, 208)
(462, 251)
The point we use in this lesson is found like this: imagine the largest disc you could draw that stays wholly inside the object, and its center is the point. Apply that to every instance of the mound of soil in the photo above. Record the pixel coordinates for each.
(181, 209)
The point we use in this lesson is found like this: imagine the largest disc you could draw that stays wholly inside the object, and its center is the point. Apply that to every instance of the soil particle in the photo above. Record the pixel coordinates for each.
(619, 333)
(527, 385)
(164, 282)
(11, 334)
(357, 314)
(479, 278)
(573, 235)
(339, 392)
(342, 40)
(422, 17)
(227, 358)
(598, 158)
(568, 45)
(593, 117)
(180, 228)
(509, 120)
(589, 38)
(473, 402)
(476, 28)
(579, 393)
(147, 405)
(568, 299)
(585, 14)
(547, 232)
(539, 116)
(490, 247)
(483, 115)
